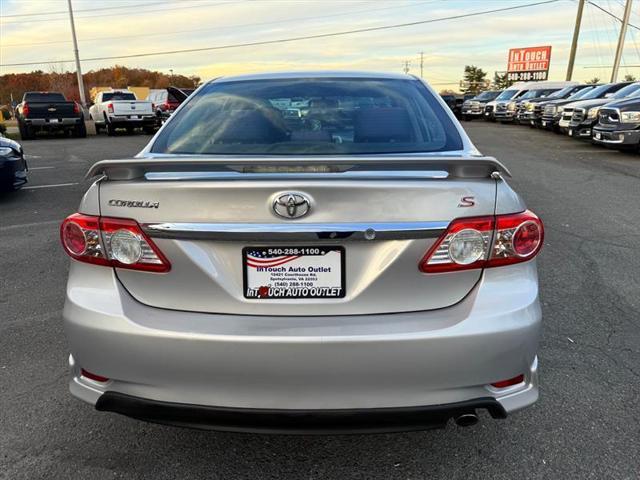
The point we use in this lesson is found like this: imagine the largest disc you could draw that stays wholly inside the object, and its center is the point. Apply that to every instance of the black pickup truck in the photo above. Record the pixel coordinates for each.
(49, 111)
(619, 124)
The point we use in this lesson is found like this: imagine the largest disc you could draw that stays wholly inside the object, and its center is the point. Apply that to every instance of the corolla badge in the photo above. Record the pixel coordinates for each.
(291, 205)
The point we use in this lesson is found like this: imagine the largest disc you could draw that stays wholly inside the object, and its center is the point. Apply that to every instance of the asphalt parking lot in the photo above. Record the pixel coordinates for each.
(586, 424)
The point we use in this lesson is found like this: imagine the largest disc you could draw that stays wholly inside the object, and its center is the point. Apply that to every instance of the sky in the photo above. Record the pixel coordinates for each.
(32, 31)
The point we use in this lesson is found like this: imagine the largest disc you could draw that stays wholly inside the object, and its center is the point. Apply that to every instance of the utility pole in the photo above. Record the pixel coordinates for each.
(574, 42)
(405, 69)
(421, 64)
(75, 52)
(623, 33)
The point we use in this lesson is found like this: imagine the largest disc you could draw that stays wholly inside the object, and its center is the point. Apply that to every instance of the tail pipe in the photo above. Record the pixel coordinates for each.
(466, 419)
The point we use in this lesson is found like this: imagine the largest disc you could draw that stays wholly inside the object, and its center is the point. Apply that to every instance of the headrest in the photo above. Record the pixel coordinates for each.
(251, 126)
(382, 125)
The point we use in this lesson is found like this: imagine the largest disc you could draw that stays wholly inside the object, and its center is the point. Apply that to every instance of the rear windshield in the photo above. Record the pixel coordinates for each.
(118, 96)
(310, 116)
(44, 97)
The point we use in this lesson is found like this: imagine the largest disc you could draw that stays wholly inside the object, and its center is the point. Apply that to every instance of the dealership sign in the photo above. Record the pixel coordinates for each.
(530, 63)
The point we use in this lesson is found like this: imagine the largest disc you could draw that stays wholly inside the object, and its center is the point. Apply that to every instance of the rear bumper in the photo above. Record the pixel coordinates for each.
(373, 420)
(53, 123)
(130, 121)
(361, 362)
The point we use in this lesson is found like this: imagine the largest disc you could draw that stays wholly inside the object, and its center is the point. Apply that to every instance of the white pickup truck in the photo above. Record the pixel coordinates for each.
(120, 109)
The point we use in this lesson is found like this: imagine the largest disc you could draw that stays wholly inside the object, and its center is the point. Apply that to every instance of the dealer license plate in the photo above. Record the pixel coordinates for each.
(272, 273)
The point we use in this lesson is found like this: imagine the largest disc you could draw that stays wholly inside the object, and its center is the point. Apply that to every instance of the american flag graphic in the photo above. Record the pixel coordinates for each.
(259, 258)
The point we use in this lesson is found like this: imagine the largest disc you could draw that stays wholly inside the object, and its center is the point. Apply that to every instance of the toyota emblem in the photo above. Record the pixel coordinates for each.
(291, 205)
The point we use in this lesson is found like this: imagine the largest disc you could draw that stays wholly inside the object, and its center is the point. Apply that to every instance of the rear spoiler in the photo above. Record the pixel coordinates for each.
(461, 167)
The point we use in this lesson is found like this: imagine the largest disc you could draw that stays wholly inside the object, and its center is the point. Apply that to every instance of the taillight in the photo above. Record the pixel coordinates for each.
(76, 108)
(518, 238)
(508, 383)
(113, 242)
(25, 109)
(110, 107)
(93, 376)
(483, 242)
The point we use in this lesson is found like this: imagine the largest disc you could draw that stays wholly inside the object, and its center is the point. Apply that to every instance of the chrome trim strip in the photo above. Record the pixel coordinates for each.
(261, 232)
(348, 175)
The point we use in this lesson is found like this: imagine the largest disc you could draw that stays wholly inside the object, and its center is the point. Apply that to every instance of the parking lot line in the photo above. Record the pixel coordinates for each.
(33, 187)
(29, 225)
(40, 168)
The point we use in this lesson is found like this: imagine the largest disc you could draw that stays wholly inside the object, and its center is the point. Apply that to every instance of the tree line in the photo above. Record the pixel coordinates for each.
(15, 84)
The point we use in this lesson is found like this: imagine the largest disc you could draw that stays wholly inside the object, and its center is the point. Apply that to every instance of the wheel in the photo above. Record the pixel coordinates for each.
(26, 132)
(149, 130)
(79, 131)
(111, 130)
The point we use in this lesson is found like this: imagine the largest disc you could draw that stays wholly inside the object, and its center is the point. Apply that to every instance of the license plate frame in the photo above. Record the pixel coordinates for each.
(300, 284)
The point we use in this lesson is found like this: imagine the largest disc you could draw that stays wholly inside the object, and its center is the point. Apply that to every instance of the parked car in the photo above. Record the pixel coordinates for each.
(115, 109)
(502, 108)
(552, 111)
(514, 90)
(619, 124)
(324, 290)
(474, 107)
(166, 100)
(13, 166)
(450, 100)
(584, 113)
(50, 112)
(537, 91)
(532, 109)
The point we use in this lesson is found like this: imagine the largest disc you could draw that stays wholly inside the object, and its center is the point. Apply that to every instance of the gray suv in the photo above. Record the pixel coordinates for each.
(355, 266)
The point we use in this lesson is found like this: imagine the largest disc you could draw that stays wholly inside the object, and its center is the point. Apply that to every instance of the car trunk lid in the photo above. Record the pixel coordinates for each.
(369, 222)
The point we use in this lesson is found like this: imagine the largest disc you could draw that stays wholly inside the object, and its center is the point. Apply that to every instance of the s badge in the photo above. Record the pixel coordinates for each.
(467, 202)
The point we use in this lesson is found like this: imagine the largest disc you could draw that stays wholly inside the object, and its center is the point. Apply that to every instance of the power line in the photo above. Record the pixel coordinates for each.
(60, 12)
(291, 39)
(611, 14)
(128, 13)
(227, 27)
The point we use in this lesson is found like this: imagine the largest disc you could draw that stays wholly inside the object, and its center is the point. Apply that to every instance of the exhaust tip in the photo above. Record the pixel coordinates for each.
(466, 419)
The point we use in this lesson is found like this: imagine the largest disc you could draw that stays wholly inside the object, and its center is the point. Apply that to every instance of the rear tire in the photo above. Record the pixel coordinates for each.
(79, 131)
(149, 130)
(111, 130)
(26, 132)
